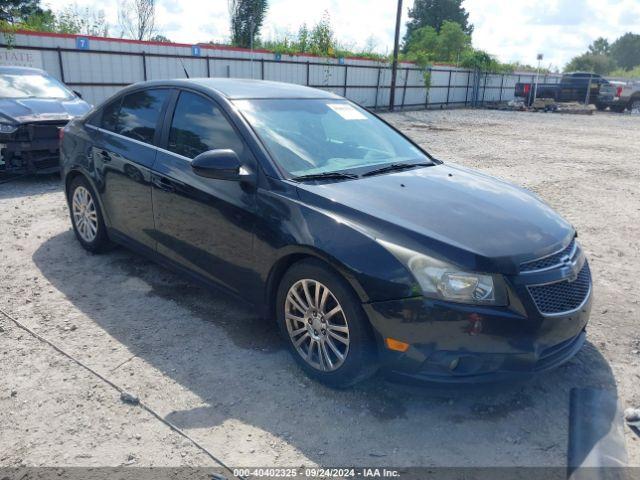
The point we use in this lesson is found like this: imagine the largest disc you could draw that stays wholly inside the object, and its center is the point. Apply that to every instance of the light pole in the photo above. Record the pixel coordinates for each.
(535, 86)
(394, 65)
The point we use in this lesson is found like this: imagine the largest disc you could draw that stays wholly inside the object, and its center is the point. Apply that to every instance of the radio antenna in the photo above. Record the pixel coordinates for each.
(186, 74)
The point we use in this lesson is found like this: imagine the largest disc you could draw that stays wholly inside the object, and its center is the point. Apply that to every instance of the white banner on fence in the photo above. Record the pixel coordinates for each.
(20, 58)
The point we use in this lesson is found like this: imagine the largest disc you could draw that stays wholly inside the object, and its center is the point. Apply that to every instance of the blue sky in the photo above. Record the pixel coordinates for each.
(558, 28)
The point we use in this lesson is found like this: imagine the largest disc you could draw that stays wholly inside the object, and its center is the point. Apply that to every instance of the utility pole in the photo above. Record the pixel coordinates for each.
(394, 66)
(535, 87)
(586, 98)
(252, 27)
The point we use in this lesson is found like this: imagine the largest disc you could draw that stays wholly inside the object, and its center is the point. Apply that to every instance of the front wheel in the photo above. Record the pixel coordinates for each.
(325, 328)
(634, 107)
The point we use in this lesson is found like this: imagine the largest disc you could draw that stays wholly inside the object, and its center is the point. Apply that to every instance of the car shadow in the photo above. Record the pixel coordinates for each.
(236, 365)
(27, 185)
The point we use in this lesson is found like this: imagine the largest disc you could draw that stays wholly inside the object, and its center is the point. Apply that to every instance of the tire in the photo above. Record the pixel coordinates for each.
(601, 107)
(86, 216)
(359, 354)
(618, 108)
(634, 106)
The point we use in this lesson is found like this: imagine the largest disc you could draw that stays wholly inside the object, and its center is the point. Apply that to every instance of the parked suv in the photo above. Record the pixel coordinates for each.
(365, 250)
(620, 96)
(33, 108)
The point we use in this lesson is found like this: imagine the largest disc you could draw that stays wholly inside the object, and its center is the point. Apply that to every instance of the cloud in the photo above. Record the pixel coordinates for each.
(171, 6)
(511, 30)
(561, 12)
(630, 17)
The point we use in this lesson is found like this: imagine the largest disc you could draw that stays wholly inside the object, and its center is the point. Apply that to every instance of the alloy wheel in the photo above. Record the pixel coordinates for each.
(85, 215)
(317, 325)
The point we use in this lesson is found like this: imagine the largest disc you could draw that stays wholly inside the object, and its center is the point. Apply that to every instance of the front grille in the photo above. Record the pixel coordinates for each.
(563, 296)
(29, 132)
(550, 261)
(45, 131)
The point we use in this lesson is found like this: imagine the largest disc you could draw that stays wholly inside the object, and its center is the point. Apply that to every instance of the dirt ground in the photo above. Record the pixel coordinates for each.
(221, 374)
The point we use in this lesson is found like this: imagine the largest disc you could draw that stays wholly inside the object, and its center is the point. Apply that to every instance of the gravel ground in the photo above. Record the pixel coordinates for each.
(221, 374)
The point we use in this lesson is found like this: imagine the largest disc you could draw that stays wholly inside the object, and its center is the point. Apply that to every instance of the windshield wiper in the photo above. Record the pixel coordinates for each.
(395, 167)
(325, 176)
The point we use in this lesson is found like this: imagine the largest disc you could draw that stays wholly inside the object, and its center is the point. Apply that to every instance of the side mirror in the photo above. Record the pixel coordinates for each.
(222, 164)
(78, 94)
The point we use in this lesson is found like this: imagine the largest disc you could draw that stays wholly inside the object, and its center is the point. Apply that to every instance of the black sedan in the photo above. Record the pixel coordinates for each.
(33, 108)
(366, 251)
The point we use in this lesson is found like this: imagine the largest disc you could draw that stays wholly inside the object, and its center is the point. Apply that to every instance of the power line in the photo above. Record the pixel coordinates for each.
(124, 395)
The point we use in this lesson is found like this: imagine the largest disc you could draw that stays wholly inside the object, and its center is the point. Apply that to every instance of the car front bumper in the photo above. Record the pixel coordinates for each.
(33, 147)
(457, 343)
(610, 101)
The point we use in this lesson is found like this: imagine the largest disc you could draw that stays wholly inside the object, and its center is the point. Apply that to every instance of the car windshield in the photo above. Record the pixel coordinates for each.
(32, 86)
(317, 136)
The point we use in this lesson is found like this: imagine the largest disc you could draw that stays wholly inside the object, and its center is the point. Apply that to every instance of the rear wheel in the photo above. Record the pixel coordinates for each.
(86, 217)
(325, 328)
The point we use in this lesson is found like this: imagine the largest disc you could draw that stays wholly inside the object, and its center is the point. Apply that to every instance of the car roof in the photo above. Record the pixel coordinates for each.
(242, 88)
(583, 73)
(21, 70)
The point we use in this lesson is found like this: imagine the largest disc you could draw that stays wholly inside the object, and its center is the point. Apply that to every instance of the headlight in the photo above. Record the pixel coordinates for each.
(442, 280)
(7, 127)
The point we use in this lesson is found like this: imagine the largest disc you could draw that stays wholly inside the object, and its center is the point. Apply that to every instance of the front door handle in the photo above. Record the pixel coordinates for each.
(164, 184)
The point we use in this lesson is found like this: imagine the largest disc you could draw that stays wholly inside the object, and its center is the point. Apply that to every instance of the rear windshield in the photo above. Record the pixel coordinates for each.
(32, 86)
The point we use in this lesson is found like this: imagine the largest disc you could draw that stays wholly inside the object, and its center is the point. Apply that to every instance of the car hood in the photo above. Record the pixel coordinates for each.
(482, 222)
(41, 109)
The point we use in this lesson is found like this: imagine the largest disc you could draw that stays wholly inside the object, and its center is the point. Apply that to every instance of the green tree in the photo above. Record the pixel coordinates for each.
(481, 60)
(160, 38)
(452, 42)
(588, 62)
(633, 73)
(600, 46)
(322, 39)
(626, 51)
(18, 11)
(85, 21)
(422, 46)
(434, 13)
(247, 17)
(427, 45)
(303, 38)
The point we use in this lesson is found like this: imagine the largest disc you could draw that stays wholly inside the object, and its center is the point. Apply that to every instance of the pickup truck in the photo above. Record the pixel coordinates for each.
(571, 88)
(619, 96)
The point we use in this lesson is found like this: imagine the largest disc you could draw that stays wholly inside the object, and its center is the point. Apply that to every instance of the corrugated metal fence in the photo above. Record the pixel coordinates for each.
(97, 67)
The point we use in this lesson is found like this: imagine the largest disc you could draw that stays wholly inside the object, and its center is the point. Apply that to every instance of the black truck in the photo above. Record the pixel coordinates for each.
(571, 88)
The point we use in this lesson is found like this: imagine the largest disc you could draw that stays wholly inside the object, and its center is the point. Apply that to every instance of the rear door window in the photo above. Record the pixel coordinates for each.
(199, 125)
(139, 114)
(110, 115)
(135, 115)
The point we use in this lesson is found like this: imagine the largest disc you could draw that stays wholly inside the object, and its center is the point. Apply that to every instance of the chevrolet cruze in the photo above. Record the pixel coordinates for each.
(367, 252)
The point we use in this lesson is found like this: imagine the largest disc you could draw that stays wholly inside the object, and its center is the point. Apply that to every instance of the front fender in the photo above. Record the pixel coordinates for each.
(288, 228)
(76, 159)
